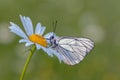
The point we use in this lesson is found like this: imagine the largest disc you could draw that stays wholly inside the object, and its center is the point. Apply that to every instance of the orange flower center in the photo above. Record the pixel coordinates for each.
(38, 39)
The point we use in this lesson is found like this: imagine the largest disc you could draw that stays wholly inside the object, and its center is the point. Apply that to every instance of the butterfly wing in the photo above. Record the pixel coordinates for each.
(72, 49)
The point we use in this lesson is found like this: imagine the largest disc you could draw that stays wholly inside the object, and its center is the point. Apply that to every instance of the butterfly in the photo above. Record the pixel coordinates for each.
(70, 50)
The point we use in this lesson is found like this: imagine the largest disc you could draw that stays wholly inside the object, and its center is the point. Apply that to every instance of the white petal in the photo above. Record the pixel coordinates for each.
(23, 40)
(17, 30)
(27, 24)
(38, 46)
(42, 30)
(48, 51)
(52, 52)
(28, 44)
(58, 55)
(48, 35)
(38, 28)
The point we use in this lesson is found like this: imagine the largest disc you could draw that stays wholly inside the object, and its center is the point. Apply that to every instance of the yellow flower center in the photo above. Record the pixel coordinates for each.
(38, 39)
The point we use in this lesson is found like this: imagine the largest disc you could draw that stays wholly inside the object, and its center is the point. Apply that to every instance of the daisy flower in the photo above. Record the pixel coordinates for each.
(30, 36)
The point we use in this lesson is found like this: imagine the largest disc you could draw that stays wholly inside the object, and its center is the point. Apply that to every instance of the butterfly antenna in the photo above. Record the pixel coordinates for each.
(54, 26)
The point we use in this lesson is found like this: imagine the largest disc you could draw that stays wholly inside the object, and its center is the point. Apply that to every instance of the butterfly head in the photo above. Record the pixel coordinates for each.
(50, 37)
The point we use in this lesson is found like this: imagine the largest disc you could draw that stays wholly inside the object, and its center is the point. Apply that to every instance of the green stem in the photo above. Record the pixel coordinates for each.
(27, 62)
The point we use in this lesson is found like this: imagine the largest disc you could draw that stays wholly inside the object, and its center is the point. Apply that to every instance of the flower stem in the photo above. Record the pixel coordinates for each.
(27, 62)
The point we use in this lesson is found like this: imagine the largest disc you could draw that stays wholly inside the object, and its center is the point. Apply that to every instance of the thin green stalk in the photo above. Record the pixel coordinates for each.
(27, 62)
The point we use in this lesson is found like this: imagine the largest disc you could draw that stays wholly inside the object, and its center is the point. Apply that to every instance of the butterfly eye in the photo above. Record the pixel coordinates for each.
(52, 37)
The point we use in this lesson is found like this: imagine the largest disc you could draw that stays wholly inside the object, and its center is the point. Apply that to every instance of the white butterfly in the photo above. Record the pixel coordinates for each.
(70, 50)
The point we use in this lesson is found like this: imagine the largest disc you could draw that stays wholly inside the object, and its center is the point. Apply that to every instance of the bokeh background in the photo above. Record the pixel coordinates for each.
(98, 20)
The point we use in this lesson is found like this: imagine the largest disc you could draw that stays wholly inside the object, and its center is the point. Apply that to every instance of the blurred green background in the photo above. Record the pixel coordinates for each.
(98, 20)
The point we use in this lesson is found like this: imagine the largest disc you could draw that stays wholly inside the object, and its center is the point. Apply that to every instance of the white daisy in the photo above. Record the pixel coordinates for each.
(30, 37)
